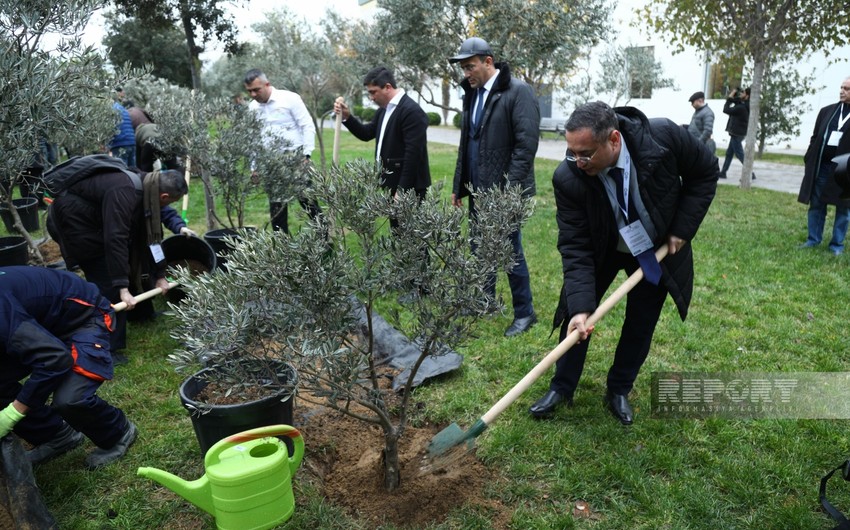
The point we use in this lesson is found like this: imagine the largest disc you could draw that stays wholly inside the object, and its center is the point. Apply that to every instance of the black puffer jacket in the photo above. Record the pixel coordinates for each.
(677, 178)
(102, 217)
(509, 136)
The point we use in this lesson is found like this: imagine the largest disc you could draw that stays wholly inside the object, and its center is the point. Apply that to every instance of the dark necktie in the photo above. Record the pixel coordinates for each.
(617, 174)
(479, 108)
(646, 259)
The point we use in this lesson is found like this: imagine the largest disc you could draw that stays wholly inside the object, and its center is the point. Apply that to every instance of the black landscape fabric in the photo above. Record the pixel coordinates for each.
(20, 499)
(392, 347)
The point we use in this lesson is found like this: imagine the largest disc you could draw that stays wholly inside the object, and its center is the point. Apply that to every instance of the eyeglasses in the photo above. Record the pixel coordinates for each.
(845, 88)
(572, 157)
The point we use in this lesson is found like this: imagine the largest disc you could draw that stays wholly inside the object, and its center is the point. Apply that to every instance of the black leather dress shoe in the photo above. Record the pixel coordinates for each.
(618, 405)
(545, 406)
(521, 325)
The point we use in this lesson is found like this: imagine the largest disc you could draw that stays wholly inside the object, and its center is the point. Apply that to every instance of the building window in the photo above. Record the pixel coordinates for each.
(640, 58)
(724, 74)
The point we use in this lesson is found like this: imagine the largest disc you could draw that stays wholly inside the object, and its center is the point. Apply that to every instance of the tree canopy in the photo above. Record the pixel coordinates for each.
(201, 20)
(131, 41)
(541, 40)
(53, 88)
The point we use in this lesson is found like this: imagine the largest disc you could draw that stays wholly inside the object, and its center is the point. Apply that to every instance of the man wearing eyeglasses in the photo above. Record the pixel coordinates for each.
(819, 187)
(627, 186)
(498, 141)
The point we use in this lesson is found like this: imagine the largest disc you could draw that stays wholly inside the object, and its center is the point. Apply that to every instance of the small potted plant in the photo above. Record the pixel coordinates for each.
(240, 376)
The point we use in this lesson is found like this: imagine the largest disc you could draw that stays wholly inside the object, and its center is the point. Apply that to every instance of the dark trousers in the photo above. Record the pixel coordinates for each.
(75, 401)
(519, 278)
(643, 308)
(97, 273)
(736, 149)
(279, 213)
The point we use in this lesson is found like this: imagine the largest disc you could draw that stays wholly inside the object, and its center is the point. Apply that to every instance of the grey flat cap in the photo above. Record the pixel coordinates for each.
(470, 48)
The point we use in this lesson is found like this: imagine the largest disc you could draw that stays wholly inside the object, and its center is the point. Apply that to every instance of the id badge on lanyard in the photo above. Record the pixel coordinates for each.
(835, 136)
(157, 253)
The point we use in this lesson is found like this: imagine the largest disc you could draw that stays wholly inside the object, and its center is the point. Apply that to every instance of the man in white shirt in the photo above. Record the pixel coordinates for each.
(285, 116)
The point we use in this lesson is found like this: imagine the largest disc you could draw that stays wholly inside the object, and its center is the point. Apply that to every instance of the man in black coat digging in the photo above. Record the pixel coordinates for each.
(627, 186)
(110, 225)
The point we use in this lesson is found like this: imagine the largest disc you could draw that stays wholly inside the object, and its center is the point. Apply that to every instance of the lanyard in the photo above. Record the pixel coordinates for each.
(842, 121)
(627, 177)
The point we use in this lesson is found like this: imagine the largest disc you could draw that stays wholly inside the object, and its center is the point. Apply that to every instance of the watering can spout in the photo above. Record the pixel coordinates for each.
(198, 492)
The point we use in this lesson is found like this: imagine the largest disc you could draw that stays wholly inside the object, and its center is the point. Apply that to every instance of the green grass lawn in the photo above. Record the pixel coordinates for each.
(760, 304)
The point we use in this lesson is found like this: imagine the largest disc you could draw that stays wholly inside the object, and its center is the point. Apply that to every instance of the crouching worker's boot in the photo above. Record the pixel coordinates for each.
(101, 457)
(65, 440)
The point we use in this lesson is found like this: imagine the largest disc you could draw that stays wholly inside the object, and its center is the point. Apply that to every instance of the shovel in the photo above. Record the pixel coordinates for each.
(121, 306)
(453, 436)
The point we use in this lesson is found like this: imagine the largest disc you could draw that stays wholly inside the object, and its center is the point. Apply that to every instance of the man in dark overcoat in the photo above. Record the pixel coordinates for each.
(819, 189)
(627, 186)
(498, 141)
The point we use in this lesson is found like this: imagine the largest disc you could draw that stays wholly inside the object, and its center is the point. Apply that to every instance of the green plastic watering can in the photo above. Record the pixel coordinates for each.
(248, 479)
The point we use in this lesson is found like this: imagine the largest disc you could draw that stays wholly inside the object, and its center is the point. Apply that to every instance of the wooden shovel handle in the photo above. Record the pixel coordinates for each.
(187, 176)
(121, 306)
(337, 129)
(570, 341)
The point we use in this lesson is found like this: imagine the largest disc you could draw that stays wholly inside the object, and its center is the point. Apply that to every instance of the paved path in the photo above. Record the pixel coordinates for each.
(769, 175)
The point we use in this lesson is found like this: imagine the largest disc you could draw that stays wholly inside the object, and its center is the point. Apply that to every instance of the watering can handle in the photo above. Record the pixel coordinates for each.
(260, 432)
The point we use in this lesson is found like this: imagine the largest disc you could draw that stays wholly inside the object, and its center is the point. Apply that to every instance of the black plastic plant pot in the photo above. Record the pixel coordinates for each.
(13, 251)
(27, 208)
(214, 422)
(189, 252)
(215, 238)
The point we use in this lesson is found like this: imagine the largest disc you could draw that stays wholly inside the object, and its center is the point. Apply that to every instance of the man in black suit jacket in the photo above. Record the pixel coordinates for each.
(819, 187)
(399, 131)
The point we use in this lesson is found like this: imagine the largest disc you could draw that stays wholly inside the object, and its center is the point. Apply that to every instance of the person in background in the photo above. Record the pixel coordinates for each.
(123, 144)
(399, 129)
(819, 188)
(498, 142)
(702, 122)
(737, 106)
(54, 341)
(626, 186)
(284, 116)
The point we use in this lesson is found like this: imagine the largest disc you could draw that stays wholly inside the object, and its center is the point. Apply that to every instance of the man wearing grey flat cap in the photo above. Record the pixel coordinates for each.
(702, 122)
(498, 141)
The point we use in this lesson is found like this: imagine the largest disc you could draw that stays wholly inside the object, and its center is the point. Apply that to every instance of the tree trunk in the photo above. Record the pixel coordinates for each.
(319, 125)
(752, 124)
(392, 470)
(209, 200)
(446, 100)
(194, 59)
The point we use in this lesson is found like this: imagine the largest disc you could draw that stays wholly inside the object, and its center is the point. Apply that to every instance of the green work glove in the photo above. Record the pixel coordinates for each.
(8, 418)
